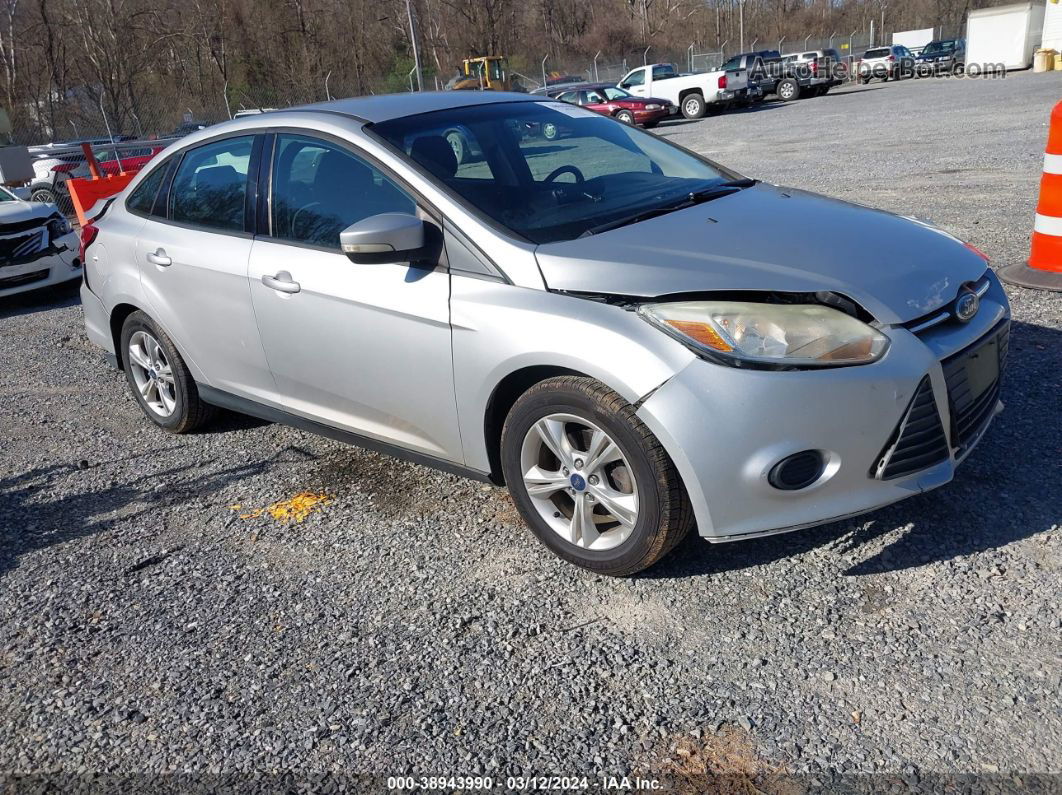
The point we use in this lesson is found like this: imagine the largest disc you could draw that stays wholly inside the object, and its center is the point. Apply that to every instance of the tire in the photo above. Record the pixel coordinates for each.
(637, 472)
(788, 89)
(650, 125)
(44, 193)
(457, 143)
(626, 117)
(864, 80)
(188, 412)
(824, 91)
(693, 106)
(958, 69)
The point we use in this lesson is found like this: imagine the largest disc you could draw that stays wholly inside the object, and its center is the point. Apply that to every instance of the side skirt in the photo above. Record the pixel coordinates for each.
(240, 405)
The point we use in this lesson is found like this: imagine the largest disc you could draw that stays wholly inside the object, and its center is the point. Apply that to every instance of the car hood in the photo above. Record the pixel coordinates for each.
(772, 239)
(17, 211)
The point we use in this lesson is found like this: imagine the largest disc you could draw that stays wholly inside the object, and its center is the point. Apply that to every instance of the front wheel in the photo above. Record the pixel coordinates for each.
(44, 194)
(457, 143)
(693, 106)
(626, 117)
(590, 479)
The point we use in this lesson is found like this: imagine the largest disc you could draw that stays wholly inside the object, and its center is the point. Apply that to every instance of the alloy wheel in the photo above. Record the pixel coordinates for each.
(152, 373)
(579, 481)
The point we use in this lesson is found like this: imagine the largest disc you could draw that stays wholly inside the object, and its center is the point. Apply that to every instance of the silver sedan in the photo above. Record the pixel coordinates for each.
(597, 319)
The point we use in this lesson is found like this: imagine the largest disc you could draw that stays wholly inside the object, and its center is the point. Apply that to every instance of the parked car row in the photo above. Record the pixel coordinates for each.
(896, 62)
(648, 94)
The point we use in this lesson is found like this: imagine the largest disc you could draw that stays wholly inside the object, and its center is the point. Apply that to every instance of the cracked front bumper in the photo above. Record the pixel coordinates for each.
(725, 428)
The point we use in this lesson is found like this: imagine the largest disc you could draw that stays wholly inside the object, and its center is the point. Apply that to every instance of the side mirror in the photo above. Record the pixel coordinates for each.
(388, 237)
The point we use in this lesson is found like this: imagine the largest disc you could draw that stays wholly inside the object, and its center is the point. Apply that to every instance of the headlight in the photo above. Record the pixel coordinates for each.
(796, 335)
(652, 106)
(58, 226)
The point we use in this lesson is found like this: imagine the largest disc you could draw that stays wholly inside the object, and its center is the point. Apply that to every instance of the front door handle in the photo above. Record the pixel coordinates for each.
(159, 258)
(282, 282)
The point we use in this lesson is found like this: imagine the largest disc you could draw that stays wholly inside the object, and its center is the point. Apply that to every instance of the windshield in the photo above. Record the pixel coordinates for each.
(938, 46)
(548, 171)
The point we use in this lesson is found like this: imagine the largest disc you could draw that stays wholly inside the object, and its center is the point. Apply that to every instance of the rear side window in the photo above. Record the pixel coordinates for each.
(210, 187)
(143, 196)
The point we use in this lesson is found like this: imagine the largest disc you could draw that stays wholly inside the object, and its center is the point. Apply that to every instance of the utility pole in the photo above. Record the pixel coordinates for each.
(741, 25)
(413, 43)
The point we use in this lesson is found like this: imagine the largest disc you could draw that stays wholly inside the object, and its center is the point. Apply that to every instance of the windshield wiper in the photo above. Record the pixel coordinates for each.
(689, 200)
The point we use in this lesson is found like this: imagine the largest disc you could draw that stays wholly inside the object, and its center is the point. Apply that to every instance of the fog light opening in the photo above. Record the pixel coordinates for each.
(797, 471)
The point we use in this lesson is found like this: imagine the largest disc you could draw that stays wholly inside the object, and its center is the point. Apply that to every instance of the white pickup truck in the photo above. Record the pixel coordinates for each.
(694, 94)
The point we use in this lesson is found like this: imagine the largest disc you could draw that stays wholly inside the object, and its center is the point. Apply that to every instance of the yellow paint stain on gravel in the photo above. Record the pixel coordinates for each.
(291, 511)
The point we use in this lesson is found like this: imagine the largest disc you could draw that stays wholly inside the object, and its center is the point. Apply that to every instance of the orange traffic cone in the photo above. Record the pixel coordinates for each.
(1044, 268)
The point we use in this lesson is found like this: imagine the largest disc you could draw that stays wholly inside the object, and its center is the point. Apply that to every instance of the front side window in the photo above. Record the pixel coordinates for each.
(210, 187)
(319, 189)
(142, 199)
(546, 170)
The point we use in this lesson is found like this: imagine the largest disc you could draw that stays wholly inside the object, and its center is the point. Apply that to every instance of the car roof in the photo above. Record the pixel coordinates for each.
(384, 107)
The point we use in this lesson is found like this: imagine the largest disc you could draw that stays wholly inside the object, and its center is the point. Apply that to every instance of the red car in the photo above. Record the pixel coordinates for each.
(608, 100)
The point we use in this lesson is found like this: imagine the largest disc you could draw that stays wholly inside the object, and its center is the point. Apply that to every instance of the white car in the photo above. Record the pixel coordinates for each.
(692, 94)
(38, 247)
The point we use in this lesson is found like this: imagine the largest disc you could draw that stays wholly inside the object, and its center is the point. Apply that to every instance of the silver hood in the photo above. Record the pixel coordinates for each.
(771, 238)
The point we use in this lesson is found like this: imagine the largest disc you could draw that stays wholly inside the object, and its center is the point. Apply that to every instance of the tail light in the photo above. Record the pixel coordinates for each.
(88, 234)
(62, 168)
(892, 58)
(814, 67)
(722, 82)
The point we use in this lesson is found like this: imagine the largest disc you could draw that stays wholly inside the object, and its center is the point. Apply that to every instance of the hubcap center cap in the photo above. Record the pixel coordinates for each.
(578, 482)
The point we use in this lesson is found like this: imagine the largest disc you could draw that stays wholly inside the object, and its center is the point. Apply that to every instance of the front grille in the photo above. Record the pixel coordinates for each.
(21, 245)
(918, 441)
(945, 314)
(972, 404)
(23, 278)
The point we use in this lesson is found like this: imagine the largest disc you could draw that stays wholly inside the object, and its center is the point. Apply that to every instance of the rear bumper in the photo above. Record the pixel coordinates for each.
(726, 428)
(97, 323)
(56, 264)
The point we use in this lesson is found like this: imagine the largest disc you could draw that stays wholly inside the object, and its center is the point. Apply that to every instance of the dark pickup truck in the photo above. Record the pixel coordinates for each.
(787, 80)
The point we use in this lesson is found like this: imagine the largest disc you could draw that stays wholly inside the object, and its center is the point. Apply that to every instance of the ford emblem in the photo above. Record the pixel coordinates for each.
(966, 306)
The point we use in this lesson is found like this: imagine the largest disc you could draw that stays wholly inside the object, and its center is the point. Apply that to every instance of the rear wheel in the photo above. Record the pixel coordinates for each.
(159, 378)
(788, 90)
(590, 479)
(693, 106)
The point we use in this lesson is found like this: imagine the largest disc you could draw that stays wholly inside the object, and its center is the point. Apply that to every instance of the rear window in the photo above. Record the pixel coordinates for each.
(881, 52)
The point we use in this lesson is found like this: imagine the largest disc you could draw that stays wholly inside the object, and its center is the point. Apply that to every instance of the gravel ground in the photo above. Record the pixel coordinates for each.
(412, 625)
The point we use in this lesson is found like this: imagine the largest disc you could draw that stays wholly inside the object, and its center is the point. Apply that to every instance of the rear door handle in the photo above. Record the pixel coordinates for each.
(159, 258)
(282, 282)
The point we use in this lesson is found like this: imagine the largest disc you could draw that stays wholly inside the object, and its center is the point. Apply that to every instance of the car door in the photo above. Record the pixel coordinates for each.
(634, 82)
(193, 266)
(594, 100)
(365, 348)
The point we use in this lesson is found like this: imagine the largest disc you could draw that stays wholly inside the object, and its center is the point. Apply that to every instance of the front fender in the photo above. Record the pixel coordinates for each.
(499, 329)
